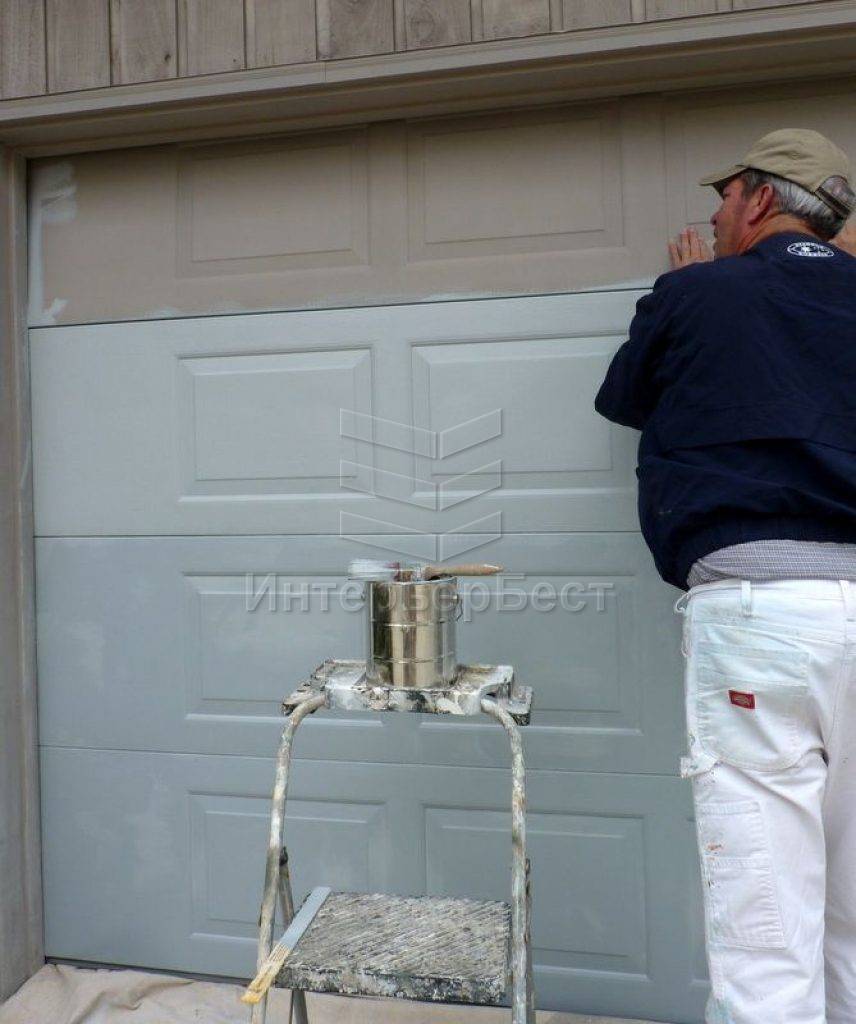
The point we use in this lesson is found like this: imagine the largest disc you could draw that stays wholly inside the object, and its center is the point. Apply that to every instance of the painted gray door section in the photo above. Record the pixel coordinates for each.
(174, 458)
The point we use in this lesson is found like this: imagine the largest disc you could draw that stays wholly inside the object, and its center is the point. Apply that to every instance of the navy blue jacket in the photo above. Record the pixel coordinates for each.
(741, 375)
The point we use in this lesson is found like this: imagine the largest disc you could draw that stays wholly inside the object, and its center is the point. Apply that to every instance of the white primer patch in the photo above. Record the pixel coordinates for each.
(52, 201)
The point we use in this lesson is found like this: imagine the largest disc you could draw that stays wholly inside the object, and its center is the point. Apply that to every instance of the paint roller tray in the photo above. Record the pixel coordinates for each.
(431, 948)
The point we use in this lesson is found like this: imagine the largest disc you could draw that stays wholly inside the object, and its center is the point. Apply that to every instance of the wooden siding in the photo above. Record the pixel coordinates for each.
(54, 46)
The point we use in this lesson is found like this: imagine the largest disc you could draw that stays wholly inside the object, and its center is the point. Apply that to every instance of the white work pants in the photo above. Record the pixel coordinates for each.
(771, 720)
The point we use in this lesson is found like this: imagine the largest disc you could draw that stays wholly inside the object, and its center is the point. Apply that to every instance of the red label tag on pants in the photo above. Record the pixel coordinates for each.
(742, 700)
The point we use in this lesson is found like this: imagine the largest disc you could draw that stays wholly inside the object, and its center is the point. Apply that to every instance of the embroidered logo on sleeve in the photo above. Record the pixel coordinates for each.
(809, 249)
(742, 700)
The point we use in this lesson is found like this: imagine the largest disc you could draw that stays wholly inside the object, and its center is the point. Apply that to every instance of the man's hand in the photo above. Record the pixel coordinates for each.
(689, 247)
(846, 237)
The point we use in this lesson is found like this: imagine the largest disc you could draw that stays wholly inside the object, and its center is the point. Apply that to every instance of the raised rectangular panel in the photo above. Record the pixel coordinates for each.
(569, 637)
(157, 860)
(533, 184)
(594, 864)
(543, 390)
(263, 422)
(287, 205)
(191, 644)
(597, 640)
(247, 636)
(340, 843)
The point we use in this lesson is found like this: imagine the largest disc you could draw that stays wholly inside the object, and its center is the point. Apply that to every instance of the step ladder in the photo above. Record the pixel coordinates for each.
(431, 948)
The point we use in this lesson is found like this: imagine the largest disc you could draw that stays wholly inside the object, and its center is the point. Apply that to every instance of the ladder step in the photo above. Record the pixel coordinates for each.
(434, 948)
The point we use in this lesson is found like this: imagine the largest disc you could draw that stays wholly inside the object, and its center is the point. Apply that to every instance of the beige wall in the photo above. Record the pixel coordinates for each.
(57, 46)
(548, 200)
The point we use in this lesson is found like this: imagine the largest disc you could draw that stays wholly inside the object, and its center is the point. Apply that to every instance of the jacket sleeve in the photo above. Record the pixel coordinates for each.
(630, 390)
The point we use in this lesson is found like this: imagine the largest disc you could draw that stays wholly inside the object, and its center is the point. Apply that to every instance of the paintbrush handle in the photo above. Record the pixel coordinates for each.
(431, 572)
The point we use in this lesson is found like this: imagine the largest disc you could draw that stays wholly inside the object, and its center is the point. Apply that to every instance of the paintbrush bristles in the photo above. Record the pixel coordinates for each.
(266, 976)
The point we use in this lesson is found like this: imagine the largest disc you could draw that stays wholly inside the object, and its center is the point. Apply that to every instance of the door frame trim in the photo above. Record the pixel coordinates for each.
(21, 926)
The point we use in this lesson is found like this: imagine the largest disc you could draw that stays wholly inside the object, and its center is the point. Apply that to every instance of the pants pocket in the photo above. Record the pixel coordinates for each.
(751, 704)
(742, 906)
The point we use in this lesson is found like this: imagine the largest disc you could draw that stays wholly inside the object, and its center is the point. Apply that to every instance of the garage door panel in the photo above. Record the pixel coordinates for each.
(190, 644)
(158, 860)
(234, 425)
(517, 202)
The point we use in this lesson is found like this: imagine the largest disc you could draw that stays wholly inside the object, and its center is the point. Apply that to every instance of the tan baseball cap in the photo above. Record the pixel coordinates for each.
(800, 155)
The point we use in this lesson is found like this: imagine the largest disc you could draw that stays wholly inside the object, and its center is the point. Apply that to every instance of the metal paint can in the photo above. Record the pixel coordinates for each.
(411, 632)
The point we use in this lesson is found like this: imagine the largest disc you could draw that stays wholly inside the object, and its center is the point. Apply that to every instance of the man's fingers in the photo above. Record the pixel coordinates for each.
(688, 247)
(674, 255)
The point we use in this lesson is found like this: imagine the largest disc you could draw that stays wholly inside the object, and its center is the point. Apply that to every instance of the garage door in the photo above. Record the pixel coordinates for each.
(174, 458)
(203, 456)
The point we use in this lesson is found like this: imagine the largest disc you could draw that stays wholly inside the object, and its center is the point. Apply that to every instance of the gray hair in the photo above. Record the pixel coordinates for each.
(794, 199)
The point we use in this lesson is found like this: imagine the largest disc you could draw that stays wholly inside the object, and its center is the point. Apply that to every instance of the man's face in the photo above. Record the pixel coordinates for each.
(730, 220)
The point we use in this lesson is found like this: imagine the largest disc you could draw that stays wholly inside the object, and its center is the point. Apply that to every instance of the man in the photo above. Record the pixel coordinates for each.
(741, 374)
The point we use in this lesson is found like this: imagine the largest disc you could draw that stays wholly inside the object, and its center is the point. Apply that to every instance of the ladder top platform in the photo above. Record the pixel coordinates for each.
(437, 949)
(345, 686)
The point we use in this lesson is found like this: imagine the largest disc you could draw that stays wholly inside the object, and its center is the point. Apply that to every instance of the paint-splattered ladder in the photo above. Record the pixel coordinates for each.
(440, 949)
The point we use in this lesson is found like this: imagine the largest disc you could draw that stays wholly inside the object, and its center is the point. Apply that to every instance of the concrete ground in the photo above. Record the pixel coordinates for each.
(61, 994)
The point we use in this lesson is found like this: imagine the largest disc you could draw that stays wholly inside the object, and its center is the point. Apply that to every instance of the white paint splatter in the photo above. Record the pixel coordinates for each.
(52, 201)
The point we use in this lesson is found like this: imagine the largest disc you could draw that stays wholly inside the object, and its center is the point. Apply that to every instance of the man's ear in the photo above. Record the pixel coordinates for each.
(761, 203)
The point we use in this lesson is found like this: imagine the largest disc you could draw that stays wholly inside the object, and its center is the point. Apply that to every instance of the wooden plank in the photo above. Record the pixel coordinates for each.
(280, 32)
(142, 40)
(78, 47)
(502, 19)
(656, 10)
(437, 22)
(354, 28)
(595, 13)
(22, 49)
(210, 36)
